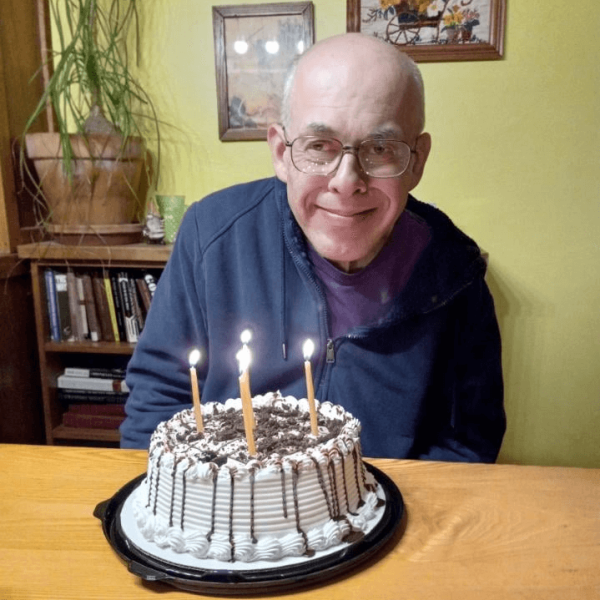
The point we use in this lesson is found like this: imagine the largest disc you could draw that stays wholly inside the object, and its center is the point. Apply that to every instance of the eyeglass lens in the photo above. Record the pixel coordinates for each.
(378, 158)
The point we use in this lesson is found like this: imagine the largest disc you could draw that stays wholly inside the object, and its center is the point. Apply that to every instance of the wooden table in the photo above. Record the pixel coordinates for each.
(481, 532)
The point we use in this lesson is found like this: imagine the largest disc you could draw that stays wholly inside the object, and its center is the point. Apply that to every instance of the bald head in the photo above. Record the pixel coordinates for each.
(364, 64)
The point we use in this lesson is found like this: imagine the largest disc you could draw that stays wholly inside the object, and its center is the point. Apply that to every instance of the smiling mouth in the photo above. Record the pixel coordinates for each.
(344, 215)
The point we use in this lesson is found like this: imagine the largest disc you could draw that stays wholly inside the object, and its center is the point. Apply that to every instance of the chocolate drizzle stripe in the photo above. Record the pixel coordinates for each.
(356, 469)
(252, 537)
(322, 484)
(173, 483)
(333, 485)
(345, 483)
(156, 484)
(214, 507)
(283, 493)
(231, 496)
(183, 491)
(296, 508)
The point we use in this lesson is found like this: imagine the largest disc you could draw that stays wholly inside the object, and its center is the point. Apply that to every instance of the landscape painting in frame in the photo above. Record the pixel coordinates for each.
(434, 30)
(255, 45)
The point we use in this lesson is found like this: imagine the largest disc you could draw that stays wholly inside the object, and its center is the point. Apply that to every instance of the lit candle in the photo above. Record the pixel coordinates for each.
(308, 348)
(244, 357)
(194, 358)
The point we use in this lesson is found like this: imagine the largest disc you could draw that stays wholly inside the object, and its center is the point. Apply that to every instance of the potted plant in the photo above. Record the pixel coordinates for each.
(93, 172)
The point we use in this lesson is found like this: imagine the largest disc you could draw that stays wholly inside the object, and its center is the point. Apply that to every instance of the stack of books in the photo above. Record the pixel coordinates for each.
(107, 305)
(94, 398)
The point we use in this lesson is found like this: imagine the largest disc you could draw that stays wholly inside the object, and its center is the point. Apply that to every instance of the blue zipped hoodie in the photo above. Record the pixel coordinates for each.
(425, 382)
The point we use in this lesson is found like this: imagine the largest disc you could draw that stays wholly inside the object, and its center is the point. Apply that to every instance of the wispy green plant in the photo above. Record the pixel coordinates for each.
(91, 83)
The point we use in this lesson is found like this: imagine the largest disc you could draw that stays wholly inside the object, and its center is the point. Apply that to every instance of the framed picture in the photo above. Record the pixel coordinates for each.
(434, 30)
(255, 45)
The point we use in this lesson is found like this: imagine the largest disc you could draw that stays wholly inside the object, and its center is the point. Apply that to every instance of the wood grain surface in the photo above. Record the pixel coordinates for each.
(484, 532)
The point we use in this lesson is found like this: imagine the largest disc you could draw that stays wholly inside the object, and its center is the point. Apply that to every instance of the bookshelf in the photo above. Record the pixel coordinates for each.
(55, 356)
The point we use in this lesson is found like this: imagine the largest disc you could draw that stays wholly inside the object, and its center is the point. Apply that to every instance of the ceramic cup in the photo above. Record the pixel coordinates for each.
(171, 209)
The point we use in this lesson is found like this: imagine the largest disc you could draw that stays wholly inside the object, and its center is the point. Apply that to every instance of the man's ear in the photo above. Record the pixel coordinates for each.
(422, 149)
(276, 141)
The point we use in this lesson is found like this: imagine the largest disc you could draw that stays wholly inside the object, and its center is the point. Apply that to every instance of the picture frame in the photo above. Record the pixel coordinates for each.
(255, 45)
(434, 30)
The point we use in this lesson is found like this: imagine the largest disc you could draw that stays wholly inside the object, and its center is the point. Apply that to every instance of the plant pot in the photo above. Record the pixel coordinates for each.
(103, 202)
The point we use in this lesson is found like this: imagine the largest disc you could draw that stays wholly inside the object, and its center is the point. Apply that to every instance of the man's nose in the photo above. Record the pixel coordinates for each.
(348, 178)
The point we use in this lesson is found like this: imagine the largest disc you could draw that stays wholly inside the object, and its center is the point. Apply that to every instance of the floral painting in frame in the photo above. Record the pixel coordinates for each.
(434, 30)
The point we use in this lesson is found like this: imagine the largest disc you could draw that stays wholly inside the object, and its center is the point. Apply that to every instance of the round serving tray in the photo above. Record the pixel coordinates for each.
(251, 580)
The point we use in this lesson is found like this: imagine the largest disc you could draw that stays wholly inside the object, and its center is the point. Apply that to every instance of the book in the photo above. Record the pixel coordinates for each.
(62, 300)
(73, 419)
(97, 372)
(76, 326)
(104, 320)
(111, 305)
(131, 325)
(82, 316)
(114, 283)
(90, 307)
(97, 409)
(71, 396)
(91, 383)
(136, 305)
(52, 305)
(144, 294)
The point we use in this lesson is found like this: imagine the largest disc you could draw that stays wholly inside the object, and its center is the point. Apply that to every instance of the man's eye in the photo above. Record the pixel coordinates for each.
(321, 146)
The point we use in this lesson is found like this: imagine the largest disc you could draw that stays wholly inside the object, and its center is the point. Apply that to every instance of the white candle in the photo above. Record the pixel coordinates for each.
(194, 357)
(308, 348)
(244, 357)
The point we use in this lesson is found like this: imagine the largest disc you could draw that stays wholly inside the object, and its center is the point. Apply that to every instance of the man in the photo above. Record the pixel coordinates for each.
(334, 250)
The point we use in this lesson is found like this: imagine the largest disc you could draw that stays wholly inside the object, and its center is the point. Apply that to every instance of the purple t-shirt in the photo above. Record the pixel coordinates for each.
(364, 297)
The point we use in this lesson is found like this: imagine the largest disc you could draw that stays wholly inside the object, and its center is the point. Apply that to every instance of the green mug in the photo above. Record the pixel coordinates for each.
(171, 209)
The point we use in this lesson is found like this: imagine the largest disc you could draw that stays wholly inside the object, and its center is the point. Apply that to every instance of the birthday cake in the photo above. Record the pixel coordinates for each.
(205, 497)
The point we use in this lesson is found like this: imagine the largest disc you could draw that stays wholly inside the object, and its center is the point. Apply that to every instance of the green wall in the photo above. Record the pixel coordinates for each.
(515, 160)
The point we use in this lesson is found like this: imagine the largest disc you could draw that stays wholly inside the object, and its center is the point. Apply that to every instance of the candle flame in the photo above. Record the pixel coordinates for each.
(308, 348)
(246, 336)
(244, 356)
(194, 357)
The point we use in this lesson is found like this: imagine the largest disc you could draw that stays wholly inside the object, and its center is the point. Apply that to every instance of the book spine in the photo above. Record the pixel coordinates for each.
(52, 305)
(62, 300)
(69, 396)
(74, 306)
(90, 307)
(85, 330)
(144, 294)
(131, 331)
(97, 409)
(135, 302)
(97, 372)
(114, 282)
(106, 330)
(91, 421)
(111, 306)
(92, 383)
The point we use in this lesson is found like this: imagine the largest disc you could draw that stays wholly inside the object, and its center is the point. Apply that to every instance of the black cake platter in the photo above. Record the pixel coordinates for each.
(322, 567)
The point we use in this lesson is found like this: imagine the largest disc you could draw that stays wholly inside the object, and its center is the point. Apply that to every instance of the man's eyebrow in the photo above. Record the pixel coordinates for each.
(386, 133)
(320, 128)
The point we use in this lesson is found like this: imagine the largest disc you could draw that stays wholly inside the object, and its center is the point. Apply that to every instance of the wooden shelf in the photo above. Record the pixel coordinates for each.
(123, 348)
(140, 254)
(61, 432)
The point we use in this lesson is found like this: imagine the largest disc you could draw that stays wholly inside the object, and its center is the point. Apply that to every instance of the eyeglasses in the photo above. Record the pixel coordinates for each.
(379, 158)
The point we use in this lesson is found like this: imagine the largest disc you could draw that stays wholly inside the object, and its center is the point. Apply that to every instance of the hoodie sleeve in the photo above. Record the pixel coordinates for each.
(474, 381)
(158, 372)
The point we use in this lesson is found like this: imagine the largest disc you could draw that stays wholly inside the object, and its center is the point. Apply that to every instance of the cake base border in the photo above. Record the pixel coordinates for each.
(225, 582)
